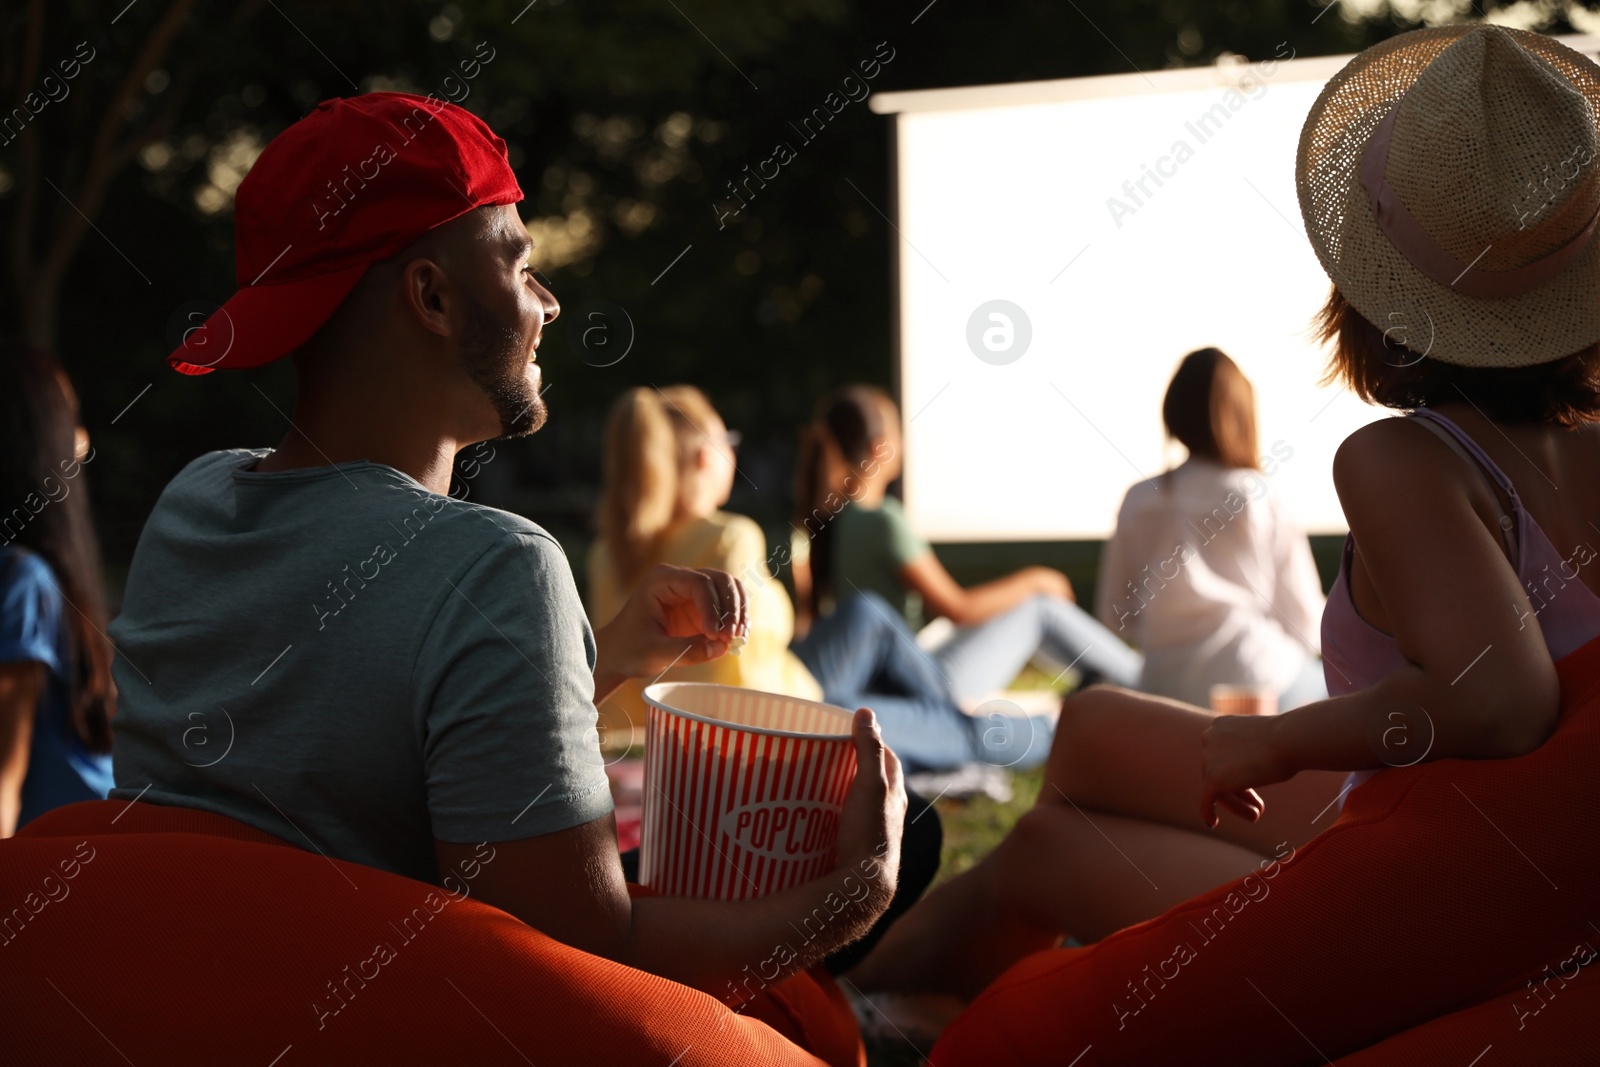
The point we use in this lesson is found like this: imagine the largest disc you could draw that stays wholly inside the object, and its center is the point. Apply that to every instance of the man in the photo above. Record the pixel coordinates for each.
(318, 641)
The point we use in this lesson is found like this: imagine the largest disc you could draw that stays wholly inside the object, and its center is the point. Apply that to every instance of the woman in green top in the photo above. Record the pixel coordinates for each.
(859, 541)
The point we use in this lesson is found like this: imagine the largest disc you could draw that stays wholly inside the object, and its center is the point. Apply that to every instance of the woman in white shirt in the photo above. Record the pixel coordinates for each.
(1206, 573)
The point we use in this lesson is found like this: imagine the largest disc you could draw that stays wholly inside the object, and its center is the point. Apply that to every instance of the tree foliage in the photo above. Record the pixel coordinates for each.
(626, 121)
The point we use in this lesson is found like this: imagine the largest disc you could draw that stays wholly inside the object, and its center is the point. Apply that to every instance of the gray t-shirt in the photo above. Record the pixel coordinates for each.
(342, 658)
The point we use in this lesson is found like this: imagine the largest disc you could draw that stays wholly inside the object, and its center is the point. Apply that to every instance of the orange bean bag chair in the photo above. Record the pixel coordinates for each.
(1450, 908)
(146, 934)
(1553, 1021)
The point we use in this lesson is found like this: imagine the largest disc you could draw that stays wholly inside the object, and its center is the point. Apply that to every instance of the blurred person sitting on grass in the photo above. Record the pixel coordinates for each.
(669, 465)
(669, 468)
(1206, 573)
(404, 675)
(56, 692)
(852, 537)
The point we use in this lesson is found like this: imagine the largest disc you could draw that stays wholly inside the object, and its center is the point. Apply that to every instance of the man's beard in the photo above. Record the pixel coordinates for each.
(492, 353)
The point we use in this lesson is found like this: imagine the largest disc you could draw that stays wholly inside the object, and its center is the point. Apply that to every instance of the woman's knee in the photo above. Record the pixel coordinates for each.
(1041, 604)
(1086, 704)
(1081, 732)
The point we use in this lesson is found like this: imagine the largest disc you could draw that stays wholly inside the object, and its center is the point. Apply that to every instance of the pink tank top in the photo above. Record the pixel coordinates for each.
(1356, 654)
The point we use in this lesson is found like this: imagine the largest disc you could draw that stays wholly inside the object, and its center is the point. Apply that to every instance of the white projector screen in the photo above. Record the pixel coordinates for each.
(1004, 193)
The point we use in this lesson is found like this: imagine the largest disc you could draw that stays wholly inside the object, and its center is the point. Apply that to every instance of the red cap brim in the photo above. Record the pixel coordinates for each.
(261, 323)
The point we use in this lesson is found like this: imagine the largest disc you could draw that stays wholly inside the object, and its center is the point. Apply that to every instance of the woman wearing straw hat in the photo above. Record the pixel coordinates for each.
(1449, 184)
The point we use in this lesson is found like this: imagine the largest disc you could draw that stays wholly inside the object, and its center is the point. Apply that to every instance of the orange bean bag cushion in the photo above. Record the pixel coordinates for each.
(1552, 1021)
(1436, 908)
(146, 934)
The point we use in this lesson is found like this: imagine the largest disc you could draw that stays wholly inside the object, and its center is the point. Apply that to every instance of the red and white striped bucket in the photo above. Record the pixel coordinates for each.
(742, 790)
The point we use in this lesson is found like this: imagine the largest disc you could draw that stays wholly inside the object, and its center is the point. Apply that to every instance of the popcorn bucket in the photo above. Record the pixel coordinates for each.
(742, 790)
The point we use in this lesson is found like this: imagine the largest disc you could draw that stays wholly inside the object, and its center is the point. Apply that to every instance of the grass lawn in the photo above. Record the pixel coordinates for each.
(973, 827)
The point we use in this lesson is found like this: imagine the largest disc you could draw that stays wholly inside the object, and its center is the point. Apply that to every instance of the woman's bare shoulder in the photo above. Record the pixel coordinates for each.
(1387, 453)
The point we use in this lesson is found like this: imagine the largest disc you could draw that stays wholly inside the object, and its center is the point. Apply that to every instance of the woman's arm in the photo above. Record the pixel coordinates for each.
(964, 607)
(1479, 682)
(20, 685)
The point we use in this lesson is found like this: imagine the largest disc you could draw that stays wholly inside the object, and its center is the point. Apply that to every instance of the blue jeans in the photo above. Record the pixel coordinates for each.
(864, 655)
(986, 656)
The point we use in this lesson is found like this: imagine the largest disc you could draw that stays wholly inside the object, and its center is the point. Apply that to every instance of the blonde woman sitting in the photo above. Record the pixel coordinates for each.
(668, 469)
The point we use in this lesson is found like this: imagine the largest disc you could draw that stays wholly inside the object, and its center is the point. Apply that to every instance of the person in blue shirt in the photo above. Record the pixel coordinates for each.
(56, 692)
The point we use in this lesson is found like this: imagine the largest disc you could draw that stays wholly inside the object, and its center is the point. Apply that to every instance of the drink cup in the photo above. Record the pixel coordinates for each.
(1243, 700)
(742, 790)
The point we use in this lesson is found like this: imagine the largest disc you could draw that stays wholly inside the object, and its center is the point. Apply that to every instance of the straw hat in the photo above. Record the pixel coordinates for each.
(1449, 179)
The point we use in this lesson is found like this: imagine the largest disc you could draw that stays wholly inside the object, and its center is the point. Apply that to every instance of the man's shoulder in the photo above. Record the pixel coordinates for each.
(370, 490)
(212, 465)
(498, 544)
(472, 524)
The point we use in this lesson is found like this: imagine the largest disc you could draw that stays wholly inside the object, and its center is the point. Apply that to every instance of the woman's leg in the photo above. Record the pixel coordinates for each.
(927, 735)
(836, 651)
(1115, 838)
(864, 655)
(986, 656)
(935, 735)
(982, 658)
(958, 931)
(903, 665)
(932, 734)
(1070, 634)
(1059, 872)
(865, 646)
(1136, 755)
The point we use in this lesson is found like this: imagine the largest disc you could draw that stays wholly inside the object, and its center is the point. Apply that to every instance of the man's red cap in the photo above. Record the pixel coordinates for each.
(352, 183)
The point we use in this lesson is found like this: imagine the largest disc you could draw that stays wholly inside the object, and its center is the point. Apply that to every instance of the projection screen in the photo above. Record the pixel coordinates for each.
(1060, 245)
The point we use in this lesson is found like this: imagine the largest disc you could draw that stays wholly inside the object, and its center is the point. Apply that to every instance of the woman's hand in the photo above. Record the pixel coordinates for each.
(1236, 753)
(675, 616)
